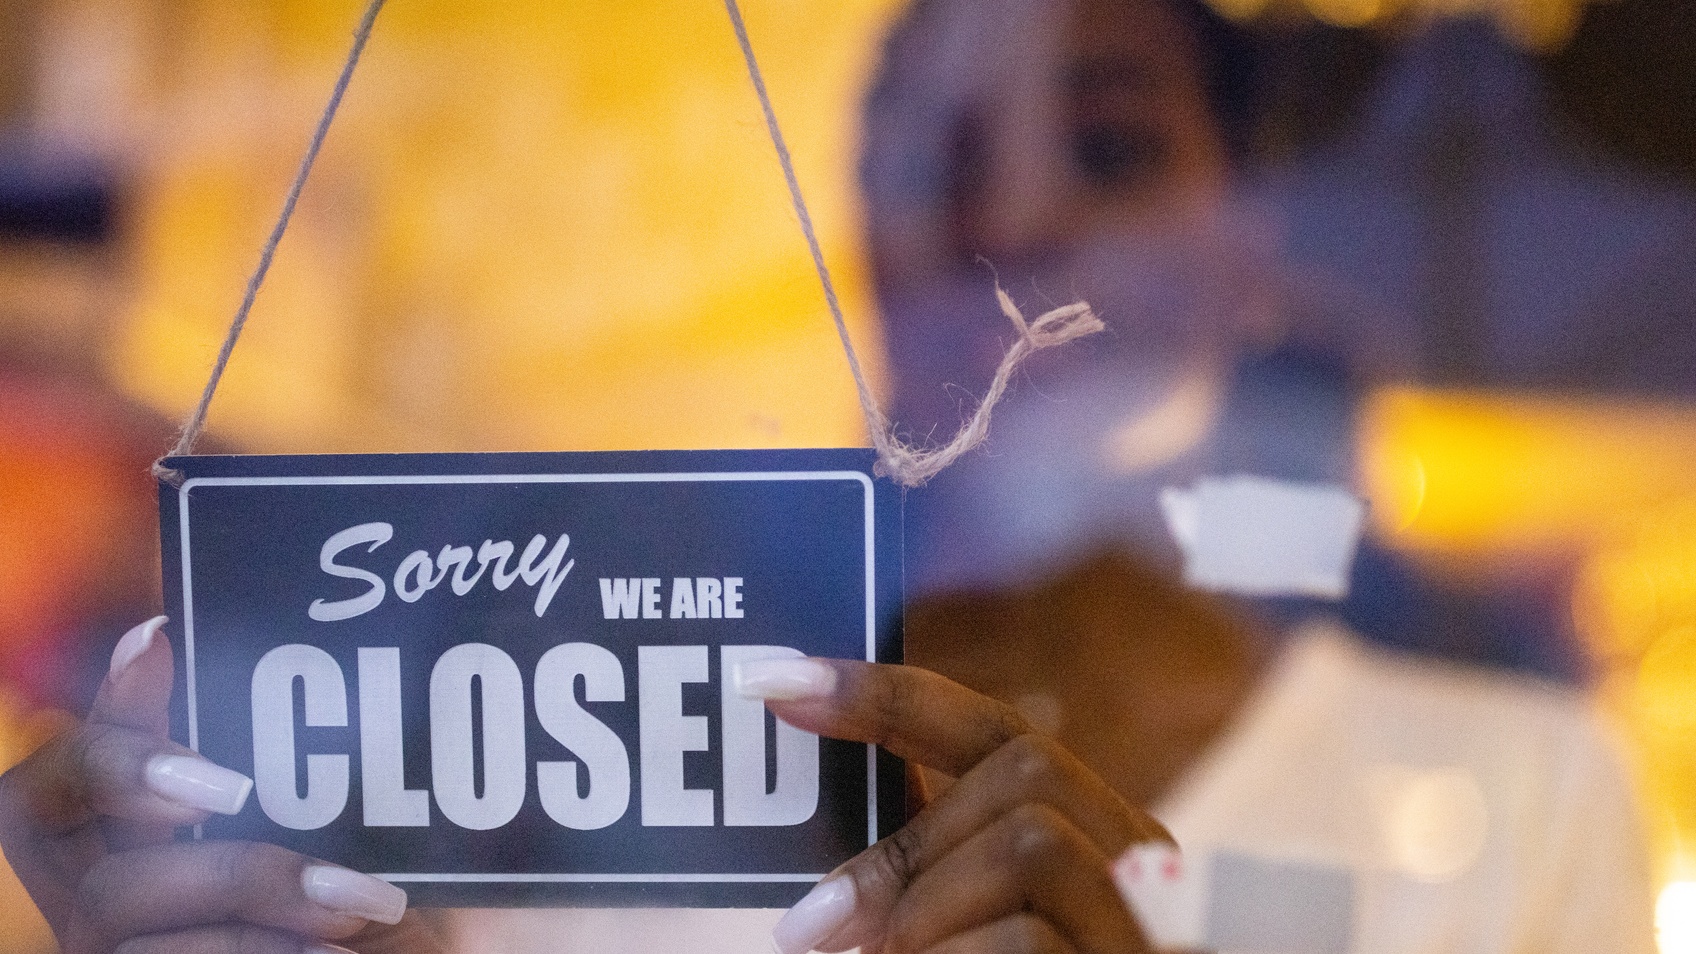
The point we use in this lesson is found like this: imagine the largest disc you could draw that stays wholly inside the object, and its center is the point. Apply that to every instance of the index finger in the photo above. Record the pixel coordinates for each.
(915, 714)
(55, 804)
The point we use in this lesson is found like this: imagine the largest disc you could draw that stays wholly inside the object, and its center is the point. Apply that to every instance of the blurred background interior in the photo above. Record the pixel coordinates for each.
(543, 226)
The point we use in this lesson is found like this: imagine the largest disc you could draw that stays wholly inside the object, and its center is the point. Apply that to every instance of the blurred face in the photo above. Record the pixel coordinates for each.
(1070, 144)
(1131, 143)
(1081, 160)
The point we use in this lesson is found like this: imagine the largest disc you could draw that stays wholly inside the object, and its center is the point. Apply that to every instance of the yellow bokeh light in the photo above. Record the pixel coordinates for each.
(1540, 25)
(1675, 918)
(1666, 682)
(1637, 587)
(1346, 13)
(1615, 604)
(534, 226)
(1397, 483)
(1516, 473)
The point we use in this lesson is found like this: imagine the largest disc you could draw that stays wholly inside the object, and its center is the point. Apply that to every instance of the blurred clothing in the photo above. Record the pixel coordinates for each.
(1470, 813)
(1447, 809)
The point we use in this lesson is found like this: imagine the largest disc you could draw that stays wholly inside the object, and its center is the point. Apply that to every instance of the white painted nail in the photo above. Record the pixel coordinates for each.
(815, 917)
(349, 892)
(134, 643)
(322, 948)
(192, 781)
(783, 679)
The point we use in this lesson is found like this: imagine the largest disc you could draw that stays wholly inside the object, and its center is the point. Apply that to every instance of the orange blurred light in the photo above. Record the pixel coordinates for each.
(1514, 473)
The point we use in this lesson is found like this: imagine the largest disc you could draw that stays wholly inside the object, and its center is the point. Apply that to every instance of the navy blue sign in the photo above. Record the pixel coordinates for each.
(501, 679)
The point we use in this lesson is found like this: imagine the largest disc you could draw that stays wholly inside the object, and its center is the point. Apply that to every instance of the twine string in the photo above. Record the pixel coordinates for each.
(906, 464)
(196, 422)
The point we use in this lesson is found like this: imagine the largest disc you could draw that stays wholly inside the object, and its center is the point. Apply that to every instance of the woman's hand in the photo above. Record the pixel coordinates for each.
(87, 822)
(1014, 856)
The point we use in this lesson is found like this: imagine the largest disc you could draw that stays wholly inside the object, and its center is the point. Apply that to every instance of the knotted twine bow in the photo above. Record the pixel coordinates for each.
(911, 466)
(906, 464)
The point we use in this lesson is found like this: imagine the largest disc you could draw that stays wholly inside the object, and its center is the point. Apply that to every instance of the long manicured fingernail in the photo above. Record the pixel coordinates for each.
(783, 679)
(349, 892)
(815, 917)
(197, 783)
(134, 643)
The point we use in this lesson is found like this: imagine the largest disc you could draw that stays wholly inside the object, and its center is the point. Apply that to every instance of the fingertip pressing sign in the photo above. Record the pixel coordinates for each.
(506, 679)
(1224, 900)
(1166, 894)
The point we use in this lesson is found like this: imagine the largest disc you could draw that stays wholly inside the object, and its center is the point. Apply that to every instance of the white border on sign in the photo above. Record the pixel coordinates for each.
(871, 635)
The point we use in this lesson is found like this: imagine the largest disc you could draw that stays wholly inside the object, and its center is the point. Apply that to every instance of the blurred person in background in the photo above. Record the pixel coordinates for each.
(1095, 150)
(1160, 206)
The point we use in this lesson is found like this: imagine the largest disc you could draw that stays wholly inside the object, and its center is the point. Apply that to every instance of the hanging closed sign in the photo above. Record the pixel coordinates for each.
(506, 678)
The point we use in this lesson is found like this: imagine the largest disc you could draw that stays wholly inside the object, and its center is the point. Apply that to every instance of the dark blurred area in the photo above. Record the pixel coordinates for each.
(44, 202)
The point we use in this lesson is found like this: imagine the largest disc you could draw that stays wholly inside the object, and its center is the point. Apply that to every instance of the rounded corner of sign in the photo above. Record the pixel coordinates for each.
(865, 480)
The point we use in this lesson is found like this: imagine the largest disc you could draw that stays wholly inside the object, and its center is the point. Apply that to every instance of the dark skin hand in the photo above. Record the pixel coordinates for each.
(1014, 856)
(92, 841)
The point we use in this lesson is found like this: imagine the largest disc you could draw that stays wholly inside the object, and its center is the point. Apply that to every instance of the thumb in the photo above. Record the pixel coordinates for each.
(137, 689)
(136, 695)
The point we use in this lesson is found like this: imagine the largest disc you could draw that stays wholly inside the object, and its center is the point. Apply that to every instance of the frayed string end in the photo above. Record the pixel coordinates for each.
(912, 466)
